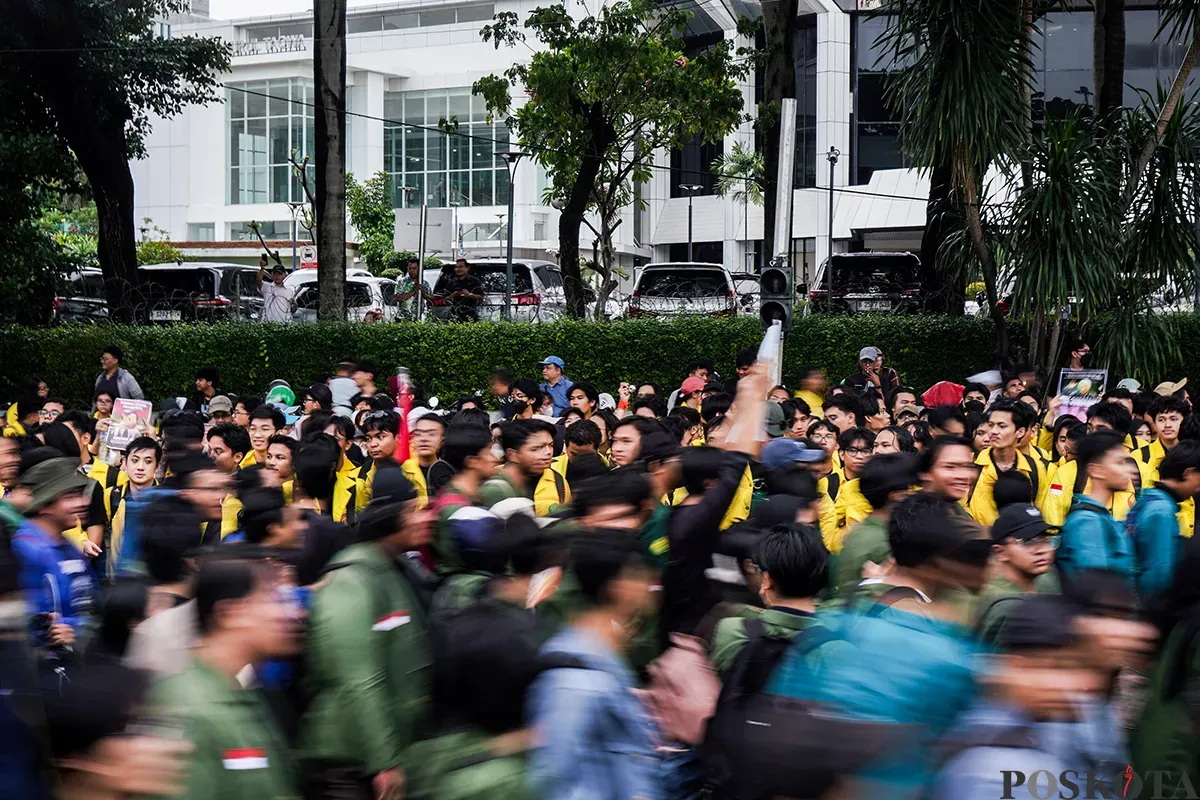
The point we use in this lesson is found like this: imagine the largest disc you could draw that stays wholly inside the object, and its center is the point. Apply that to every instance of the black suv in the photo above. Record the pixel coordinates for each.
(884, 283)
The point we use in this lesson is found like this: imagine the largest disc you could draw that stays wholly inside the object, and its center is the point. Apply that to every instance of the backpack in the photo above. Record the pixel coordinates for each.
(755, 743)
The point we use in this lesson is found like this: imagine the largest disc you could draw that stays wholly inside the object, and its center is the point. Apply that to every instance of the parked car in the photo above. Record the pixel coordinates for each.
(365, 296)
(746, 286)
(670, 289)
(888, 283)
(307, 275)
(82, 298)
(200, 291)
(537, 292)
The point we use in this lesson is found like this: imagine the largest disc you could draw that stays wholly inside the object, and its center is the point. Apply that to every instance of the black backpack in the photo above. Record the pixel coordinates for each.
(749, 750)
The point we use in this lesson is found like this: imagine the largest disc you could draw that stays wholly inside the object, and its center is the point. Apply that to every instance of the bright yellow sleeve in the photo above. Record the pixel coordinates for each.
(739, 508)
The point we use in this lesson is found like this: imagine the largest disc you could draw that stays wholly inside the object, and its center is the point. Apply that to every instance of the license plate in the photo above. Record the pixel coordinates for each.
(157, 315)
(875, 305)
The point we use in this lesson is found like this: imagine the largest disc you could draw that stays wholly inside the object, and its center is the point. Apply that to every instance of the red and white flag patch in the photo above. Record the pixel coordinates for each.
(389, 622)
(1056, 488)
(245, 758)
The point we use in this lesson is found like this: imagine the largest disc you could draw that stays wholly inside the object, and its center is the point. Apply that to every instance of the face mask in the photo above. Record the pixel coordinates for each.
(498, 452)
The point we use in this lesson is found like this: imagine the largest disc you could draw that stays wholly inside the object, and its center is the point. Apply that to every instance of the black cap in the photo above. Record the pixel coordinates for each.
(658, 446)
(1038, 622)
(1019, 521)
(277, 267)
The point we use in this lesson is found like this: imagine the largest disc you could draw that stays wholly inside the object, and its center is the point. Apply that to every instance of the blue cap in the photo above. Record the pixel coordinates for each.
(781, 453)
(555, 360)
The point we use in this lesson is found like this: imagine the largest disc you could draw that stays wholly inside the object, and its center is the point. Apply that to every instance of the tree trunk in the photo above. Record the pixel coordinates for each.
(1027, 96)
(571, 218)
(1108, 56)
(939, 285)
(779, 81)
(329, 76)
(607, 283)
(1164, 117)
(969, 182)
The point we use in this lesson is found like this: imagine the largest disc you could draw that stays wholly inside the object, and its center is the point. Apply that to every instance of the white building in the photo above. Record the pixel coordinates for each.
(214, 169)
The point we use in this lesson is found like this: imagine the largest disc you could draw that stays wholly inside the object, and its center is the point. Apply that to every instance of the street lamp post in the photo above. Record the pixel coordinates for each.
(295, 209)
(833, 159)
(510, 158)
(691, 189)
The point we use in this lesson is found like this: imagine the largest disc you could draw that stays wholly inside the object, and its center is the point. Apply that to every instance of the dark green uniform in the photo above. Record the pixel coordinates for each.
(460, 766)
(997, 600)
(239, 753)
(866, 541)
(369, 662)
(730, 637)
(1167, 738)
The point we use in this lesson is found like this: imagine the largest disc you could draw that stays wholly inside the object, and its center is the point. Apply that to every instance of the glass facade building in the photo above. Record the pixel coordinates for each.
(267, 122)
(1062, 55)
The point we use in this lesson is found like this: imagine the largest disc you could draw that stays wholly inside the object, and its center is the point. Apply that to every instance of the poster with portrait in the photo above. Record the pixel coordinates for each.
(1079, 390)
(127, 415)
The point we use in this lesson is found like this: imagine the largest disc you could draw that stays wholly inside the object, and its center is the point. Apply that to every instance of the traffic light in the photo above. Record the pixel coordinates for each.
(776, 295)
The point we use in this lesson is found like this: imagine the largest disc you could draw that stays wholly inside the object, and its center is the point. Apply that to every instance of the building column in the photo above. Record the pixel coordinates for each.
(737, 216)
(365, 101)
(833, 116)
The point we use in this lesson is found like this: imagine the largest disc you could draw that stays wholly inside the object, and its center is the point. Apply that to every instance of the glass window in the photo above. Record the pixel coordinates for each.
(437, 16)
(268, 121)
(1068, 41)
(443, 168)
(394, 22)
(364, 24)
(202, 232)
(478, 13)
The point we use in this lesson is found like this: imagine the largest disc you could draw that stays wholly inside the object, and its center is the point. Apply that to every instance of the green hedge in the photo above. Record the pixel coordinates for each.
(452, 360)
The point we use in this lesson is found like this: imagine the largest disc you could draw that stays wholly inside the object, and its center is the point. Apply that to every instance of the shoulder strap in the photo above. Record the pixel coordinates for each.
(560, 486)
(114, 501)
(110, 476)
(1145, 452)
(982, 628)
(834, 481)
(893, 596)
(1035, 477)
(1080, 481)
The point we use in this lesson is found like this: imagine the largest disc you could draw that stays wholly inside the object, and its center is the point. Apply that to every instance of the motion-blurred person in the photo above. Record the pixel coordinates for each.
(281, 450)
(59, 586)
(1091, 538)
(1022, 550)
(238, 752)
(265, 422)
(885, 481)
(592, 735)
(1153, 523)
(428, 431)
(793, 565)
(368, 652)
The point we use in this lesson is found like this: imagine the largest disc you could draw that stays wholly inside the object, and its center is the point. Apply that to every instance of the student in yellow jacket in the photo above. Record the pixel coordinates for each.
(427, 432)
(856, 446)
(1009, 420)
(381, 429)
(1168, 414)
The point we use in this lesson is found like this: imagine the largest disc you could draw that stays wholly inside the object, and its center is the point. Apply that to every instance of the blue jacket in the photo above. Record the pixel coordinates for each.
(130, 561)
(595, 739)
(54, 577)
(560, 393)
(978, 773)
(1156, 543)
(1092, 539)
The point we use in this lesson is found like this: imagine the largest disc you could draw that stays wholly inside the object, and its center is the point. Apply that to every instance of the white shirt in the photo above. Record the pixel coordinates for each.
(277, 303)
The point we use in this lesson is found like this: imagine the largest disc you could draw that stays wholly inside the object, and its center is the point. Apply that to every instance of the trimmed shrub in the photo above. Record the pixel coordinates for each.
(452, 360)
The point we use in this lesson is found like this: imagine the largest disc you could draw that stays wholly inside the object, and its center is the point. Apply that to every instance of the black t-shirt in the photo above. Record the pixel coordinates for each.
(456, 284)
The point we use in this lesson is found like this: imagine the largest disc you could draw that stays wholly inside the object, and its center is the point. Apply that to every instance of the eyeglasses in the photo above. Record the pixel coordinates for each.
(1043, 540)
(857, 451)
(48, 414)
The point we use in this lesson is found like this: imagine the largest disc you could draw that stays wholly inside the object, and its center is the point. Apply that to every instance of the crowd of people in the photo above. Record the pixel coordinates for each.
(545, 591)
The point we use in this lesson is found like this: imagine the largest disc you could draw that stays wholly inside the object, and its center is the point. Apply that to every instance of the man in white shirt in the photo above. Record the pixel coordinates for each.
(278, 301)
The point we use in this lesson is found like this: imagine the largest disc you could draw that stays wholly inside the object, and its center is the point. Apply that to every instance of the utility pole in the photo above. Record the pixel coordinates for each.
(329, 78)
(510, 158)
(833, 159)
(691, 189)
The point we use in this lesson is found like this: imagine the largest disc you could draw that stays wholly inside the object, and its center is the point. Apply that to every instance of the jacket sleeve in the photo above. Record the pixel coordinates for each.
(1083, 542)
(566, 703)
(716, 500)
(341, 633)
(1154, 540)
(129, 385)
(739, 508)
(32, 574)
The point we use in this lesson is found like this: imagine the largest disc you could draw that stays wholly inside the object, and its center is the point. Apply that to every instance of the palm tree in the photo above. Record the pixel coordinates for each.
(741, 175)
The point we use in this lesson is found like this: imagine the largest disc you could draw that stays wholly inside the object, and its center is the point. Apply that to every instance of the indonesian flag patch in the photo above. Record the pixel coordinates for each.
(1056, 488)
(245, 758)
(389, 622)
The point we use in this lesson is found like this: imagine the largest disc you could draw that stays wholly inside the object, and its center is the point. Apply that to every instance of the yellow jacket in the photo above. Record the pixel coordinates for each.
(231, 507)
(551, 492)
(1063, 488)
(814, 400)
(416, 476)
(830, 533)
(739, 507)
(851, 508)
(344, 492)
(248, 460)
(982, 504)
(364, 483)
(1151, 455)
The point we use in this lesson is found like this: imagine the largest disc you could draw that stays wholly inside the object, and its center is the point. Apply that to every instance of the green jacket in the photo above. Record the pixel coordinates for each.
(1168, 737)
(460, 766)
(866, 541)
(239, 752)
(369, 663)
(730, 637)
(997, 600)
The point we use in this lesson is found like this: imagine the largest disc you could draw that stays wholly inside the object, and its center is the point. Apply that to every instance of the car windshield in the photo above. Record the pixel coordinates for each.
(85, 285)
(493, 275)
(550, 278)
(198, 284)
(389, 292)
(357, 294)
(683, 283)
(878, 272)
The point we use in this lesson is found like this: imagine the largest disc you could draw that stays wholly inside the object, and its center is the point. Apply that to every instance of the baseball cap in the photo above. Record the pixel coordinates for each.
(1166, 388)
(50, 480)
(868, 354)
(775, 420)
(220, 404)
(1020, 521)
(690, 385)
(555, 360)
(780, 453)
(1132, 384)
(279, 268)
(658, 446)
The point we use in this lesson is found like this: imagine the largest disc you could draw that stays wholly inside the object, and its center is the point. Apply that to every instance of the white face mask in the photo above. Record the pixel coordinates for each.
(498, 452)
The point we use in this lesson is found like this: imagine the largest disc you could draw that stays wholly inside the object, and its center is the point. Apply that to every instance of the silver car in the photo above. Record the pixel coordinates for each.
(537, 293)
(672, 289)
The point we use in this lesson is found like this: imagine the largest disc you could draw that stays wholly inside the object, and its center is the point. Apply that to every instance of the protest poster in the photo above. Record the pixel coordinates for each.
(1079, 390)
(127, 415)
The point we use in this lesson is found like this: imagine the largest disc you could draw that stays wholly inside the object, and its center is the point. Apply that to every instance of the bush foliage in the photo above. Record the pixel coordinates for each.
(451, 360)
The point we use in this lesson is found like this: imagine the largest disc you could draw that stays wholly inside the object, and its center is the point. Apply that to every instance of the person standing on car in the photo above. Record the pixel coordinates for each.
(115, 379)
(465, 293)
(278, 300)
(409, 288)
(872, 372)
